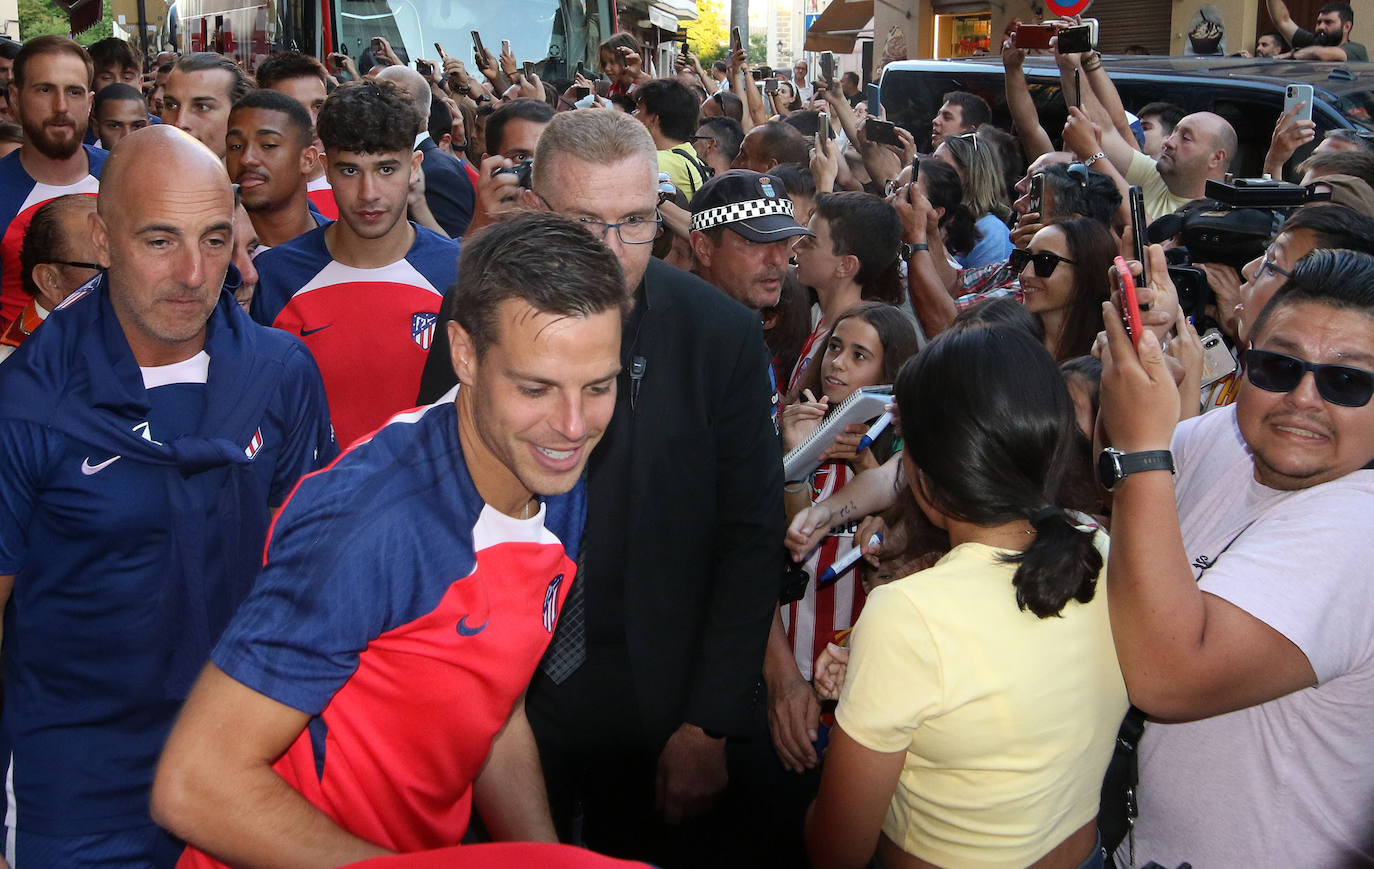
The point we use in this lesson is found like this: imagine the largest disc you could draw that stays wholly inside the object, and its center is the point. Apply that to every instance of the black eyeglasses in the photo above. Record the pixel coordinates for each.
(77, 265)
(1337, 384)
(1045, 261)
(1268, 265)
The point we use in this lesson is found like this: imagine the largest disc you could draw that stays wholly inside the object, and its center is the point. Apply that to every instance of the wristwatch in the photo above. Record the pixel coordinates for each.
(1113, 465)
(910, 250)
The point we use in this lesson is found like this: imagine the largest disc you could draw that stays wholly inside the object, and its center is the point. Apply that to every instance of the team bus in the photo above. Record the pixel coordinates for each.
(554, 34)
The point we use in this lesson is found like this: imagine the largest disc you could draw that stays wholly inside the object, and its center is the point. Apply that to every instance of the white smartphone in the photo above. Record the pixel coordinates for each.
(1299, 93)
(1217, 361)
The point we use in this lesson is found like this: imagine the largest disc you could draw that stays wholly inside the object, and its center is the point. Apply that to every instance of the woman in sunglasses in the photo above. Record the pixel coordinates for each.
(1064, 279)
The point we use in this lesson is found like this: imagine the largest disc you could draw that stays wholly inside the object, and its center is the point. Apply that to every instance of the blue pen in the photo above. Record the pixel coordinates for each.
(874, 430)
(846, 561)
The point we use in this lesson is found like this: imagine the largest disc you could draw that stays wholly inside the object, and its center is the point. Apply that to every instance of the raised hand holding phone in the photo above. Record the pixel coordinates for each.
(1127, 302)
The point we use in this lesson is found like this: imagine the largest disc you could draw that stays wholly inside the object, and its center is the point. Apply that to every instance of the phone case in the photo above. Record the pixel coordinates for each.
(1217, 361)
(1130, 315)
(1298, 93)
(1032, 36)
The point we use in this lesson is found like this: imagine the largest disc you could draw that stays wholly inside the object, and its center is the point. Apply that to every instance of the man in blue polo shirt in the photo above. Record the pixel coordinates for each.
(146, 433)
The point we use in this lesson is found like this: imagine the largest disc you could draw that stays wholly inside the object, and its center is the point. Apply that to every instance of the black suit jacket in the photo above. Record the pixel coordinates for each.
(448, 189)
(698, 561)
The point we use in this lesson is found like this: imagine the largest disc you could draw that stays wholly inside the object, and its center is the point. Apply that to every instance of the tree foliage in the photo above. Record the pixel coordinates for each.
(709, 35)
(758, 48)
(42, 17)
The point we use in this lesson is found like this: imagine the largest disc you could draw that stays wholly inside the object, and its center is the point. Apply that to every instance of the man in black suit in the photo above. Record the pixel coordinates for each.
(659, 661)
(448, 189)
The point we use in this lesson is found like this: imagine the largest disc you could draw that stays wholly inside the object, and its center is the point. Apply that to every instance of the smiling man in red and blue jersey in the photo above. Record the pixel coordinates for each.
(51, 96)
(370, 690)
(363, 293)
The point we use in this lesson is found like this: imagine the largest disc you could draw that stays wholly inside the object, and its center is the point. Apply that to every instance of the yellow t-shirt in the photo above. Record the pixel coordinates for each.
(1007, 720)
(684, 173)
(1158, 200)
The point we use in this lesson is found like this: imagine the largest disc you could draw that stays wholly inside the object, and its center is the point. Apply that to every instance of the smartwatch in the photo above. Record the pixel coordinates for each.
(1113, 465)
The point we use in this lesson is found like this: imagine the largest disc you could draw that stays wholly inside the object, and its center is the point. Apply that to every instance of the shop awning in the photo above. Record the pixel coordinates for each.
(82, 13)
(838, 26)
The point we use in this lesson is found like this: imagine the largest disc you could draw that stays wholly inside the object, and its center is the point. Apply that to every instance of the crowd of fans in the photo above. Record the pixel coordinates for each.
(305, 365)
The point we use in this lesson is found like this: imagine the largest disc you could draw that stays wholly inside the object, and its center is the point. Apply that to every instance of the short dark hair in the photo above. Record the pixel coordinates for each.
(9, 49)
(852, 78)
(368, 117)
(1095, 196)
(276, 101)
(1277, 37)
(11, 132)
(1169, 114)
(783, 142)
(45, 240)
(117, 91)
(869, 229)
(728, 135)
(991, 433)
(1342, 9)
(1357, 163)
(204, 61)
(51, 44)
(1362, 141)
(973, 108)
(674, 105)
(440, 119)
(523, 109)
(731, 106)
(112, 51)
(1000, 311)
(1342, 279)
(796, 178)
(282, 66)
(1334, 226)
(509, 260)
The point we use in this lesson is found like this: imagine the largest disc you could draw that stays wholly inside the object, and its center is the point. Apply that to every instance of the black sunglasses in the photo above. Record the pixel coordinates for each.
(1337, 384)
(1045, 261)
(73, 264)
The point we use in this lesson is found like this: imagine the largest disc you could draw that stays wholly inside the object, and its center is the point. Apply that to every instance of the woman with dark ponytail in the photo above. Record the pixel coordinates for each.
(983, 694)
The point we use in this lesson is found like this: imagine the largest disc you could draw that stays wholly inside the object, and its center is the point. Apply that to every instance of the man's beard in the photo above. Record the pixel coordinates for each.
(1329, 38)
(49, 145)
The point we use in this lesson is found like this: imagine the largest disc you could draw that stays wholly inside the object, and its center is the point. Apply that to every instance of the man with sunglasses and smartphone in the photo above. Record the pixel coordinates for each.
(1248, 623)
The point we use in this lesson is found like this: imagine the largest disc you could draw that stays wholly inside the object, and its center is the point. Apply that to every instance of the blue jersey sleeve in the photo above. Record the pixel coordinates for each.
(310, 443)
(25, 452)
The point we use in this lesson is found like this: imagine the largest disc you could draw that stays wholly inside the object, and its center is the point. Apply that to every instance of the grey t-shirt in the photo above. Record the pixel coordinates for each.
(1353, 50)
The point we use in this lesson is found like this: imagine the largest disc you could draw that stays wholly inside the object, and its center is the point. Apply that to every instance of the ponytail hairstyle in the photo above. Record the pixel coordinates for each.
(988, 427)
(944, 190)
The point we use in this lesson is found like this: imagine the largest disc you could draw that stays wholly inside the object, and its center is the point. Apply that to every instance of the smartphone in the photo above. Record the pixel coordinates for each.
(1299, 93)
(1037, 195)
(1217, 361)
(759, 74)
(1032, 36)
(736, 41)
(1127, 301)
(881, 132)
(770, 86)
(1077, 88)
(1077, 39)
(874, 99)
(828, 66)
(528, 70)
(424, 68)
(376, 44)
(580, 69)
(1139, 229)
(915, 170)
(477, 43)
(582, 91)
(505, 46)
(439, 48)
(823, 125)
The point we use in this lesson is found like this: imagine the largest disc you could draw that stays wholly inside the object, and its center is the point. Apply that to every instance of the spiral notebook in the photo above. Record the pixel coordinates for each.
(863, 405)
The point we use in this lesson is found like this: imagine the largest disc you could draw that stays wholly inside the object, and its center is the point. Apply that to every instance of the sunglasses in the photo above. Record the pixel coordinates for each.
(1045, 261)
(1338, 384)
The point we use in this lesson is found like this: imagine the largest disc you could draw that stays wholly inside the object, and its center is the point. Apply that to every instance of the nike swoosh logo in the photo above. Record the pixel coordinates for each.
(87, 468)
(467, 631)
(305, 331)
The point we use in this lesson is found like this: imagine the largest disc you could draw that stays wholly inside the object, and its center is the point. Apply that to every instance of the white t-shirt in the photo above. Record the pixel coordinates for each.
(1289, 782)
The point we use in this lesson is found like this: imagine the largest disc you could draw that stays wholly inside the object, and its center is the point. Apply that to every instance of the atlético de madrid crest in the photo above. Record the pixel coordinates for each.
(422, 326)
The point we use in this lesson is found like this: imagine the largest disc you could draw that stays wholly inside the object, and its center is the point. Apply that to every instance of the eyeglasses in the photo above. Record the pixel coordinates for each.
(1338, 384)
(632, 230)
(1045, 261)
(76, 265)
(1268, 265)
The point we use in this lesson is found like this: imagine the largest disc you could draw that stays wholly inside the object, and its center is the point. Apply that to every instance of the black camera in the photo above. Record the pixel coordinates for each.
(523, 172)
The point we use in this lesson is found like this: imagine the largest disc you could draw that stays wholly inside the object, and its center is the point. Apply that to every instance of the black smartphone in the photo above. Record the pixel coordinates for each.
(1077, 88)
(873, 98)
(915, 170)
(759, 74)
(770, 86)
(1139, 230)
(477, 43)
(736, 41)
(827, 66)
(1037, 195)
(1075, 40)
(881, 132)
(581, 91)
(580, 69)
(376, 44)
(424, 68)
